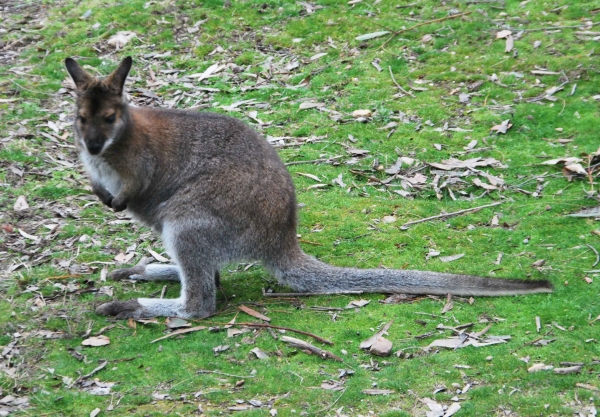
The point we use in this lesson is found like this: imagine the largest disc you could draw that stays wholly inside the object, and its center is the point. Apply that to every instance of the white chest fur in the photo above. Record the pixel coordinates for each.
(101, 172)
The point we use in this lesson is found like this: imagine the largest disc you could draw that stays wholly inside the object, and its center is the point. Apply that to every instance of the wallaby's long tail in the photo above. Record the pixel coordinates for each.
(308, 274)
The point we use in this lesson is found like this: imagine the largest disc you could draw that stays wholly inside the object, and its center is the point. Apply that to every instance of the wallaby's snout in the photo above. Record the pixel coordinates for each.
(97, 131)
(95, 147)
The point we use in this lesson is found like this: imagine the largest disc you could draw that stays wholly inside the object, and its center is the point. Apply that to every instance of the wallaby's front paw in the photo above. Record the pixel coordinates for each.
(128, 273)
(107, 201)
(123, 309)
(118, 204)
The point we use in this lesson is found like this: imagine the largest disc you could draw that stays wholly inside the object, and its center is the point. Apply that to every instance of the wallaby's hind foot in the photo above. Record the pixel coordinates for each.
(122, 309)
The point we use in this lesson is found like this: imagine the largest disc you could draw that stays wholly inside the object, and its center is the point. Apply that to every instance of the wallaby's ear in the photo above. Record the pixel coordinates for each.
(116, 80)
(81, 78)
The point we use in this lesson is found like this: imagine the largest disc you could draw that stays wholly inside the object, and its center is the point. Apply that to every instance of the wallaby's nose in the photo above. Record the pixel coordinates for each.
(94, 148)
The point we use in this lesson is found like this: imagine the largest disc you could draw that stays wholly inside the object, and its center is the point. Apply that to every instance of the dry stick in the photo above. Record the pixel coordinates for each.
(301, 344)
(596, 252)
(314, 161)
(398, 85)
(270, 326)
(560, 27)
(441, 216)
(423, 24)
(180, 331)
(94, 371)
(330, 405)
(206, 371)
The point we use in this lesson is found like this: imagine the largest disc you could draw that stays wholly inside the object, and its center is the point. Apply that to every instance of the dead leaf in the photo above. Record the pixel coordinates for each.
(449, 304)
(502, 127)
(453, 163)
(333, 385)
(451, 257)
(358, 303)
(122, 258)
(539, 367)
(436, 409)
(368, 36)
(176, 323)
(388, 219)
(377, 391)
(361, 113)
(96, 341)
(21, 204)
(218, 349)
(310, 105)
(260, 354)
(311, 176)
(503, 34)
(564, 161)
(317, 56)
(121, 38)
(452, 409)
(426, 38)
(510, 43)
(253, 313)
(576, 168)
(539, 263)
(27, 235)
(157, 256)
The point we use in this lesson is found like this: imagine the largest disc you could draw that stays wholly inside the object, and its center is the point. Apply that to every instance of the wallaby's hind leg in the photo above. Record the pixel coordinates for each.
(150, 272)
(197, 262)
(153, 272)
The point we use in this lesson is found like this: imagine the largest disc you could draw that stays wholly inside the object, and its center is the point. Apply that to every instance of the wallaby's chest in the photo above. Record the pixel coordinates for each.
(101, 172)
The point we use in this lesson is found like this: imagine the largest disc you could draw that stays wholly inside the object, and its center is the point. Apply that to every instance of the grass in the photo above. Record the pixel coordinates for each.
(79, 237)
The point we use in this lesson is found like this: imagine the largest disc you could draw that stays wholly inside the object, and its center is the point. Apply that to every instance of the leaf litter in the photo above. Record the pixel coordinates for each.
(201, 98)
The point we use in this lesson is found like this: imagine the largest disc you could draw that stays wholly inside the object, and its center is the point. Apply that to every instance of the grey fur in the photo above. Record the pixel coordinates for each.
(217, 192)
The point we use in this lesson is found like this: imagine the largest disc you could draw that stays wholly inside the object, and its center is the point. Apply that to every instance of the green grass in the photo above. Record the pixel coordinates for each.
(336, 225)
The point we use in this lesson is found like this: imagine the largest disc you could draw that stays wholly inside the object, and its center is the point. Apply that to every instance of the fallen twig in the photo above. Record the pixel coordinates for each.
(454, 16)
(180, 331)
(329, 406)
(21, 251)
(94, 372)
(559, 27)
(270, 326)
(398, 85)
(314, 161)
(206, 371)
(441, 216)
(596, 252)
(301, 344)
(253, 313)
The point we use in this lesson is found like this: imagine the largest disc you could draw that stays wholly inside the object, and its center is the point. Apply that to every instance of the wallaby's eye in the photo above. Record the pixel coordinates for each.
(82, 119)
(110, 119)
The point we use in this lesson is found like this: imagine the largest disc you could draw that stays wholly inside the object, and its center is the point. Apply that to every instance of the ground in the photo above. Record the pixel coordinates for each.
(461, 104)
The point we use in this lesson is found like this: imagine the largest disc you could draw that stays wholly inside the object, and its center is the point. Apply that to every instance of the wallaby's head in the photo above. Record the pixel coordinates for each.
(101, 111)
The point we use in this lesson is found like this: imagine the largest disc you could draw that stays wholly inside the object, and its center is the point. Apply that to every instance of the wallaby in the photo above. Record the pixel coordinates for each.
(216, 192)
